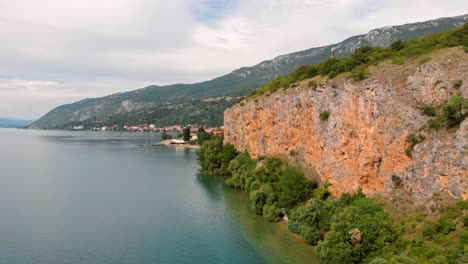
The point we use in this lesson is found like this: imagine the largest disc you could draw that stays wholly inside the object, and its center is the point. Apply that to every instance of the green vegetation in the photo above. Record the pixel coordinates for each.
(428, 109)
(351, 229)
(437, 122)
(273, 185)
(293, 153)
(359, 231)
(426, 239)
(363, 57)
(324, 115)
(202, 136)
(359, 74)
(455, 110)
(457, 84)
(396, 180)
(186, 134)
(214, 156)
(312, 84)
(413, 139)
(453, 113)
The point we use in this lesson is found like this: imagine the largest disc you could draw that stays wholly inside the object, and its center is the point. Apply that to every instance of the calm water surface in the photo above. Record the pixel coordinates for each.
(98, 197)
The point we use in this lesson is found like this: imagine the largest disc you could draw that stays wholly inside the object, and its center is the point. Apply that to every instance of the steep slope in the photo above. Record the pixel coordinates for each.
(183, 103)
(363, 143)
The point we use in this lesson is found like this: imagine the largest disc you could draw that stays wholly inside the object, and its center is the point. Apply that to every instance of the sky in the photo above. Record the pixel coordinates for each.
(54, 52)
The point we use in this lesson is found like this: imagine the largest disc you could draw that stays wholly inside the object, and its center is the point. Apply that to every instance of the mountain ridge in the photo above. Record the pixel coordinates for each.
(10, 122)
(183, 103)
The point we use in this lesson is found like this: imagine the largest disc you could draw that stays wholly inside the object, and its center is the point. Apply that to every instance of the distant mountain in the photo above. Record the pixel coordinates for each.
(13, 122)
(205, 102)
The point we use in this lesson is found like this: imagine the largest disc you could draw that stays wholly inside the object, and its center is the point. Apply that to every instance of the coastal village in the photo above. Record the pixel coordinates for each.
(179, 129)
(152, 128)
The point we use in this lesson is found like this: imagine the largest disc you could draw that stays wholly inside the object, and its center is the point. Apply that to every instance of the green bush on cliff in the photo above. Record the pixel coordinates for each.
(324, 115)
(428, 109)
(455, 110)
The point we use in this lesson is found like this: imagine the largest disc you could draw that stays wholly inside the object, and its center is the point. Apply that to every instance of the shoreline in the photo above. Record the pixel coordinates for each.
(167, 143)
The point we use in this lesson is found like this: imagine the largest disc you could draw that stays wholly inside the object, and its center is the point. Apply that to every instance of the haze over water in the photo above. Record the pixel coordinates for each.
(92, 197)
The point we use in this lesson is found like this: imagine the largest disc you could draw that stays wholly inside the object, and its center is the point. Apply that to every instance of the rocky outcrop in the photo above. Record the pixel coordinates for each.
(363, 142)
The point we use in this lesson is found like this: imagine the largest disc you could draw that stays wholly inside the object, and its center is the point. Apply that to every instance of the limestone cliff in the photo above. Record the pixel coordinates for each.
(363, 142)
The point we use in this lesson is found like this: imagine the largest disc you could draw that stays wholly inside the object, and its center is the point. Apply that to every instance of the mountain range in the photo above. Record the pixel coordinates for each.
(6, 122)
(204, 103)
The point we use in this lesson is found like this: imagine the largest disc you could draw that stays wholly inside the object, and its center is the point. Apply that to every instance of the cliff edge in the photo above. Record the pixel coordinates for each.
(364, 141)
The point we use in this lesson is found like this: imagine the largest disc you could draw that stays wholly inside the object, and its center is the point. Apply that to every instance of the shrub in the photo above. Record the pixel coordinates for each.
(455, 110)
(202, 136)
(332, 74)
(397, 45)
(439, 260)
(428, 109)
(359, 74)
(437, 122)
(293, 187)
(321, 193)
(293, 153)
(311, 219)
(457, 84)
(396, 180)
(310, 235)
(403, 259)
(324, 115)
(379, 261)
(374, 224)
(398, 60)
(258, 200)
(413, 139)
(313, 85)
(271, 213)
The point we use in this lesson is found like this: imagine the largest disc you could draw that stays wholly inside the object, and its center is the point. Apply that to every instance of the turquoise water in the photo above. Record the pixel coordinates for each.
(99, 197)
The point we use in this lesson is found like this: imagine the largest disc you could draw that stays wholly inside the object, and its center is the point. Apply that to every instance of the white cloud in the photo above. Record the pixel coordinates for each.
(67, 50)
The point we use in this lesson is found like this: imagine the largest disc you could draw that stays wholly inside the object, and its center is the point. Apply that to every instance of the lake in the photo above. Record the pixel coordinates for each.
(99, 197)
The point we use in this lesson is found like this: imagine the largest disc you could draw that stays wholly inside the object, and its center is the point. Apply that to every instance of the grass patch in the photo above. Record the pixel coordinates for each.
(324, 115)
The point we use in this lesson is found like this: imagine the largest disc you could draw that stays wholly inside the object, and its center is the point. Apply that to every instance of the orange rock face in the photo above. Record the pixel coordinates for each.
(363, 142)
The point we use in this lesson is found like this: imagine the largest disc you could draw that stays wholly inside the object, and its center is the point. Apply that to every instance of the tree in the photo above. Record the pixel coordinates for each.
(209, 155)
(229, 153)
(186, 133)
(271, 213)
(455, 110)
(202, 135)
(293, 187)
(358, 233)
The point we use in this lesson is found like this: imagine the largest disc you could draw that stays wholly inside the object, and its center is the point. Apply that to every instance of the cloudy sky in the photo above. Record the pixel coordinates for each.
(54, 51)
